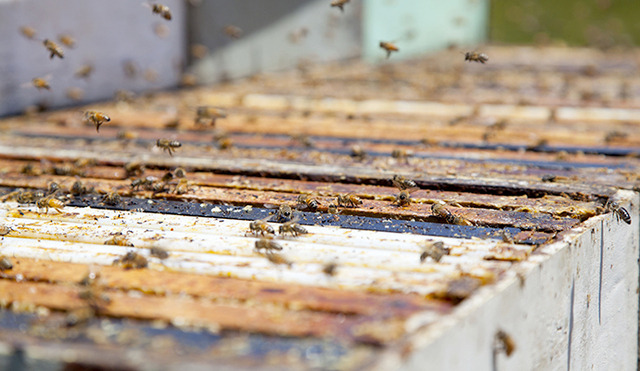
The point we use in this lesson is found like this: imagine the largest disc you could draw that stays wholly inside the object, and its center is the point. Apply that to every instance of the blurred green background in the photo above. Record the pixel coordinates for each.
(599, 23)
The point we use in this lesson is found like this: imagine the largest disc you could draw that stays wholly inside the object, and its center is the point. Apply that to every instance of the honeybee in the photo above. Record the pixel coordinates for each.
(53, 48)
(163, 10)
(620, 212)
(505, 342)
(224, 142)
(188, 80)
(403, 183)
(180, 172)
(476, 57)
(130, 69)
(292, 227)
(358, 153)
(77, 189)
(296, 35)
(28, 32)
(167, 177)
(159, 253)
(348, 200)
(389, 47)
(4, 230)
(284, 213)
(84, 71)
(332, 208)
(67, 40)
(306, 201)
(131, 260)
(199, 51)
(403, 198)
(52, 188)
(261, 226)
(267, 245)
(5, 263)
(96, 118)
(232, 31)
(168, 145)
(145, 183)
(330, 268)
(209, 114)
(304, 140)
(50, 202)
(66, 168)
(276, 258)
(28, 169)
(433, 250)
(507, 237)
(401, 154)
(112, 198)
(439, 210)
(41, 83)
(340, 4)
(74, 93)
(23, 197)
(134, 168)
(119, 239)
(182, 187)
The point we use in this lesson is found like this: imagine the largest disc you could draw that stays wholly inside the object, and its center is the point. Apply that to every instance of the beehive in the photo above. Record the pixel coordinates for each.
(526, 154)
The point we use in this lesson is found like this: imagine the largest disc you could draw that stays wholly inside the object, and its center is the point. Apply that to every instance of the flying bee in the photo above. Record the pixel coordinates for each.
(267, 245)
(50, 202)
(433, 250)
(119, 239)
(339, 4)
(84, 71)
(278, 259)
(403, 183)
(168, 145)
(131, 260)
(232, 31)
(112, 198)
(67, 40)
(96, 118)
(53, 48)
(28, 169)
(505, 343)
(159, 253)
(182, 187)
(163, 10)
(28, 32)
(261, 226)
(476, 57)
(209, 115)
(292, 227)
(439, 210)
(41, 83)
(306, 201)
(389, 47)
(620, 212)
(5, 263)
(75, 94)
(348, 200)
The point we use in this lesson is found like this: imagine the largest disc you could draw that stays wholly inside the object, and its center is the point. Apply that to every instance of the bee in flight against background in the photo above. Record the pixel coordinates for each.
(339, 4)
(163, 10)
(96, 118)
(53, 48)
(168, 145)
(476, 57)
(232, 31)
(41, 83)
(209, 114)
(389, 47)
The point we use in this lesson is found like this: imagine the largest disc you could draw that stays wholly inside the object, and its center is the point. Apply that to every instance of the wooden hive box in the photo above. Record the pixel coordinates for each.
(525, 155)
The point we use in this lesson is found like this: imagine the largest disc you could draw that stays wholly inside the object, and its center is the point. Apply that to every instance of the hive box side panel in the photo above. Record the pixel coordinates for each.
(573, 305)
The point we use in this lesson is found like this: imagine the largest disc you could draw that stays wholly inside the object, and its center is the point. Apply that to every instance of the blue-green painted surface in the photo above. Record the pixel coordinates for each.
(419, 26)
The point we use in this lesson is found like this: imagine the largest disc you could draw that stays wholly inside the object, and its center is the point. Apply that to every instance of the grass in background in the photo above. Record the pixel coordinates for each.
(600, 23)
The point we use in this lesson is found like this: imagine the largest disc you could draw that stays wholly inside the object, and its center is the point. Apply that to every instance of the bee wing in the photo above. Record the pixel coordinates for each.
(271, 206)
(412, 189)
